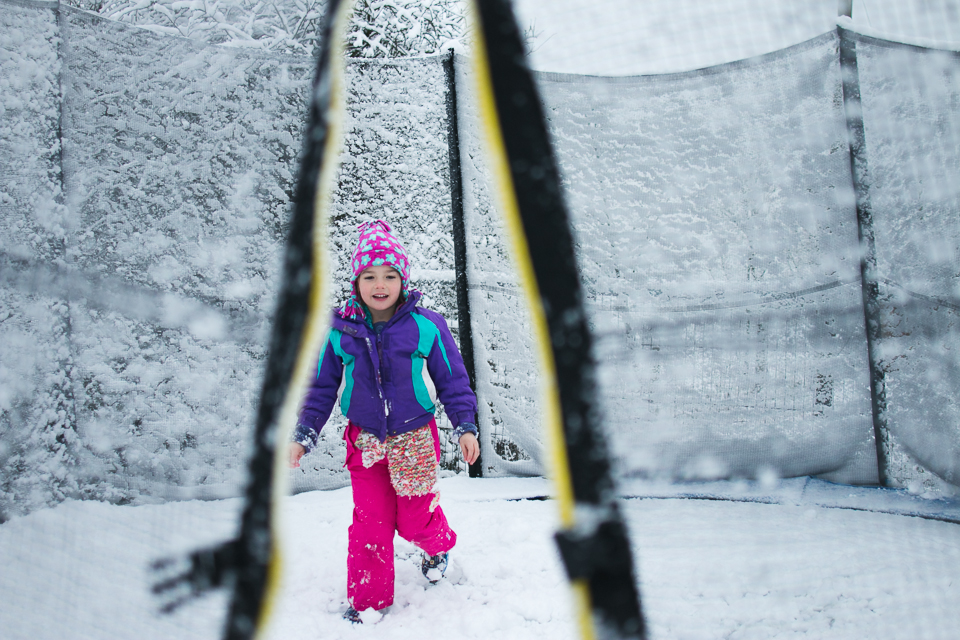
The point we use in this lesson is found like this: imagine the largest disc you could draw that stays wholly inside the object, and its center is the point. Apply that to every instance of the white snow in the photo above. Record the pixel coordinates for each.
(707, 569)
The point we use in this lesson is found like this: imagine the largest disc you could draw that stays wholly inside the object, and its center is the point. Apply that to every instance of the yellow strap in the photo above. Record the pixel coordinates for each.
(510, 211)
(317, 322)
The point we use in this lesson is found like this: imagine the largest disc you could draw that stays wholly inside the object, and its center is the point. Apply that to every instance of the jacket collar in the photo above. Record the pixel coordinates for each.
(353, 325)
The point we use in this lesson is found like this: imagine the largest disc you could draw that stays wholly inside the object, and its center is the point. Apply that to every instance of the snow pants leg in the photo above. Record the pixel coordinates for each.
(378, 512)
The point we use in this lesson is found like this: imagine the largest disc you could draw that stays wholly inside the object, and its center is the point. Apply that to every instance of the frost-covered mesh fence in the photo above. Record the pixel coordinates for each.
(177, 166)
(716, 220)
(714, 212)
(145, 181)
(912, 126)
(721, 266)
(144, 200)
(146, 184)
(172, 165)
(35, 398)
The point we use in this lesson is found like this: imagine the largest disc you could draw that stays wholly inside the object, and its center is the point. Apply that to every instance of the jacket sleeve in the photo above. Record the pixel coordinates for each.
(321, 396)
(449, 375)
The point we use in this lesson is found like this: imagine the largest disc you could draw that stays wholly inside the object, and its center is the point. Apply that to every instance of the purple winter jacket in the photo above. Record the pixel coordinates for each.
(386, 378)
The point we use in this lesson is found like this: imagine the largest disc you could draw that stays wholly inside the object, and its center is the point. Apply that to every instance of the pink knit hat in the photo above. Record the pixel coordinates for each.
(377, 246)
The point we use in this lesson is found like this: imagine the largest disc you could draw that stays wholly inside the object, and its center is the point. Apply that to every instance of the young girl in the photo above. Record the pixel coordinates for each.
(384, 351)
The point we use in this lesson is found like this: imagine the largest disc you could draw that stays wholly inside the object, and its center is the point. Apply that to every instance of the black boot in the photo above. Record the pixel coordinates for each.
(434, 567)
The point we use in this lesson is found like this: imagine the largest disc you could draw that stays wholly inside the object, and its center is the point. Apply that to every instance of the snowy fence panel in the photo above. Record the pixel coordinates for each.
(507, 379)
(713, 211)
(912, 128)
(159, 263)
(179, 162)
(209, 144)
(37, 422)
(718, 244)
(719, 252)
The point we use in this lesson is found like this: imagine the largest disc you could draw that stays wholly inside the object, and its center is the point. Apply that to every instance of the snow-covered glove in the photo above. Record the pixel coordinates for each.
(372, 450)
(462, 428)
(412, 461)
(305, 437)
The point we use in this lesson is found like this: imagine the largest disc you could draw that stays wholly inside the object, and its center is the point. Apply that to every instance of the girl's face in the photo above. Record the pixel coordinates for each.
(379, 288)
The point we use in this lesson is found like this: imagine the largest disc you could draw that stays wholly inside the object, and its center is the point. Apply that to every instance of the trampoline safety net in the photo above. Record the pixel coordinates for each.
(769, 252)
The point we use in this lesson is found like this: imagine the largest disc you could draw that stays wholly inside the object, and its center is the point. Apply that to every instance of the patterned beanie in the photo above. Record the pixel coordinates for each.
(377, 246)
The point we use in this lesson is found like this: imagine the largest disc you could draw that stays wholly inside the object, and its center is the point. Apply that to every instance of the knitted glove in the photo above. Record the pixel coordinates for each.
(305, 437)
(412, 460)
(462, 428)
(372, 449)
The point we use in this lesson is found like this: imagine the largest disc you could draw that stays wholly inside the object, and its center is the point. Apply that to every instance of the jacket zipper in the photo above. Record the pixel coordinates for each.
(380, 369)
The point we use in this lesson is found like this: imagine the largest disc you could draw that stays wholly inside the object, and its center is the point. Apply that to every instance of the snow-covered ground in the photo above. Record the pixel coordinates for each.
(707, 569)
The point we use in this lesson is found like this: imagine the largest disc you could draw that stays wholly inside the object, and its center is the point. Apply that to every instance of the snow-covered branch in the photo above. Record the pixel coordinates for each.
(380, 28)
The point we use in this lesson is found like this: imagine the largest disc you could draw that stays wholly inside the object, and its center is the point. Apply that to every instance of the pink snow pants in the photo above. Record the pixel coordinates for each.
(378, 512)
